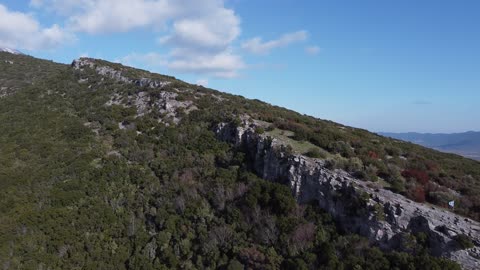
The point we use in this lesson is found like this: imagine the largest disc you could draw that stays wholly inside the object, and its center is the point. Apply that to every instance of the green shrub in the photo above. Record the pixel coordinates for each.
(315, 153)
(337, 162)
(354, 165)
(168, 197)
(235, 265)
(260, 130)
(463, 241)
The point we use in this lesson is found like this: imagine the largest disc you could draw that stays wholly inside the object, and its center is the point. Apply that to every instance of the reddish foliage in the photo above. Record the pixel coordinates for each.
(421, 176)
(418, 194)
(252, 257)
(432, 166)
(303, 235)
(373, 155)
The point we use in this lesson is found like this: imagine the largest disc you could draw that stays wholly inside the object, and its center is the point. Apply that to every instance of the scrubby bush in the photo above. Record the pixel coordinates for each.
(371, 173)
(397, 184)
(235, 265)
(354, 165)
(337, 162)
(463, 241)
(260, 130)
(315, 153)
(439, 197)
(420, 176)
(416, 192)
(169, 197)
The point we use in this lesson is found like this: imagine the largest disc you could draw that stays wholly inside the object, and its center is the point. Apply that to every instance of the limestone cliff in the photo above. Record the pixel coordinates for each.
(378, 214)
(82, 63)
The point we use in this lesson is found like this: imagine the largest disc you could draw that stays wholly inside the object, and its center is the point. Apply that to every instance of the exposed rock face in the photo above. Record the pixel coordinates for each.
(380, 215)
(163, 102)
(112, 73)
(3, 91)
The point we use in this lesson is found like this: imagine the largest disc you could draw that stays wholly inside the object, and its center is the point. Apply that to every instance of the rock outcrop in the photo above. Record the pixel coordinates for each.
(160, 100)
(380, 215)
(163, 102)
(82, 63)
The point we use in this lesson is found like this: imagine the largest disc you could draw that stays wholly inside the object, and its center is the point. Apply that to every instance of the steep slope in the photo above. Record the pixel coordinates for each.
(381, 215)
(108, 167)
(18, 71)
(466, 144)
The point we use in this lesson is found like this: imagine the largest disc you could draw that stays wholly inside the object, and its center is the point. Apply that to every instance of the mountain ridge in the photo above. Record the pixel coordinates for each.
(464, 143)
(310, 179)
(107, 166)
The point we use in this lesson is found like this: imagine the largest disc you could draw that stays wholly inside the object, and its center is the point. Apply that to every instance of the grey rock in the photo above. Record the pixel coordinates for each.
(343, 196)
(163, 102)
(109, 72)
(80, 64)
(4, 91)
(150, 249)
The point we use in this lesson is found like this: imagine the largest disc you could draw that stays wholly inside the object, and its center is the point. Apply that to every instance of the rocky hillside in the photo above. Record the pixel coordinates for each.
(382, 216)
(104, 166)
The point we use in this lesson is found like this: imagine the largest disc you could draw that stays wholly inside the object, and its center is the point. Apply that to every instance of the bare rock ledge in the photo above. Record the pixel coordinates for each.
(385, 217)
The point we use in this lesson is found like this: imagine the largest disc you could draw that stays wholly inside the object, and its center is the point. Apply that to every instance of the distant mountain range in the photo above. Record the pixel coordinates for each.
(466, 144)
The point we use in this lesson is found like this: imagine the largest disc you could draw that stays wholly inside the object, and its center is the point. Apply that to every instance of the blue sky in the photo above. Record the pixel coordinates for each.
(390, 66)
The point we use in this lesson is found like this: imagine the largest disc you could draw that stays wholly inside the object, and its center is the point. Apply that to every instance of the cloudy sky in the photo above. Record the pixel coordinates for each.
(381, 65)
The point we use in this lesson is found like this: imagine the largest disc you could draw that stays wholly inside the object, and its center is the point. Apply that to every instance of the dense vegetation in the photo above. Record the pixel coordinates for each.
(78, 192)
(417, 172)
(21, 70)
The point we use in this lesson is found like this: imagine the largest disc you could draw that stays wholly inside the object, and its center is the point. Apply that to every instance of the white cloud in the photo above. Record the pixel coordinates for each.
(202, 82)
(150, 60)
(22, 31)
(110, 16)
(258, 46)
(223, 64)
(198, 33)
(215, 31)
(312, 50)
(192, 20)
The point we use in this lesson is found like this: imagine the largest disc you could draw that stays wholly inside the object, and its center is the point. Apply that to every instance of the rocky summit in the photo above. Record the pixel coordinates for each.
(104, 166)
